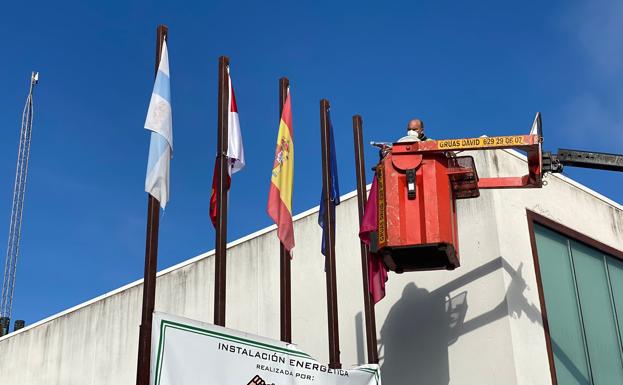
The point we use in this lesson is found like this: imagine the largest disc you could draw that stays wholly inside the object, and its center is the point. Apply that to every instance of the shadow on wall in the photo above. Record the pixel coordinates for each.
(422, 324)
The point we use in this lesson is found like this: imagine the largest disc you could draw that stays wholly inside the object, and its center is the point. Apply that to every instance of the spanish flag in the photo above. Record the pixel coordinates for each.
(280, 194)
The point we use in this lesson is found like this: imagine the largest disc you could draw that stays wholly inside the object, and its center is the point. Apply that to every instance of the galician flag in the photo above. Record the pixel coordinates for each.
(160, 123)
(281, 181)
(235, 149)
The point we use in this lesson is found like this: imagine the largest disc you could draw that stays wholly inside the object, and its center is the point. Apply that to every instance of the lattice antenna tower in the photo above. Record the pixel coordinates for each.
(15, 229)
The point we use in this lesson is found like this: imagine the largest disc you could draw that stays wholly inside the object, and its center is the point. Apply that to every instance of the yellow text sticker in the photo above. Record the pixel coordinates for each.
(484, 142)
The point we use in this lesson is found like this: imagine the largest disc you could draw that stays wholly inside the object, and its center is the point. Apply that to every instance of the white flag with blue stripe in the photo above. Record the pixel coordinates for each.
(159, 122)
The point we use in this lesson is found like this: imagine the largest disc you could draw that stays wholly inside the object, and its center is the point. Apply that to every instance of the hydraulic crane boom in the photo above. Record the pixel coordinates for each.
(585, 159)
(15, 228)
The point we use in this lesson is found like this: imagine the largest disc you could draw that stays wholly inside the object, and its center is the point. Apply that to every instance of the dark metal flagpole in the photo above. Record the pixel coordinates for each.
(329, 233)
(151, 261)
(284, 255)
(368, 306)
(220, 256)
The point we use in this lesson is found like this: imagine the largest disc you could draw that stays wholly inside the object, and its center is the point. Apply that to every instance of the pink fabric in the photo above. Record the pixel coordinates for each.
(377, 271)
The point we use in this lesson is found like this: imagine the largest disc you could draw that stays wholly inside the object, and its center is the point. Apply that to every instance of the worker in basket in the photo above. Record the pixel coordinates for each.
(415, 132)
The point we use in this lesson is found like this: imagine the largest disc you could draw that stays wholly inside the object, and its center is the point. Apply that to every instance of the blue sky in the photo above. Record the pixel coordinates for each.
(465, 68)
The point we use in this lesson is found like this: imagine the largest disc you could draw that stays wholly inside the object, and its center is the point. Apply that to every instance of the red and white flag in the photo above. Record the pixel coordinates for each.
(235, 149)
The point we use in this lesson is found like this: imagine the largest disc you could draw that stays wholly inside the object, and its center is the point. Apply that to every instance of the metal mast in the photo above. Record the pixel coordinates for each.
(15, 229)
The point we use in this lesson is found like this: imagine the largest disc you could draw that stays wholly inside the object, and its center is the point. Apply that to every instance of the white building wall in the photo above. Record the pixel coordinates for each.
(561, 200)
(478, 324)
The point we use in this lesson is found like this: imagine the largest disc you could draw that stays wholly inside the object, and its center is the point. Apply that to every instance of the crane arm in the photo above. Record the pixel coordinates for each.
(586, 159)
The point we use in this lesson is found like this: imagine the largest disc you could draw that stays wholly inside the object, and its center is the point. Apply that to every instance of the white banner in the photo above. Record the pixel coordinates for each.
(186, 352)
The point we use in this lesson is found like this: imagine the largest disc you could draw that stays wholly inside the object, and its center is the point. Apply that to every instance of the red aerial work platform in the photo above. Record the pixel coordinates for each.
(418, 185)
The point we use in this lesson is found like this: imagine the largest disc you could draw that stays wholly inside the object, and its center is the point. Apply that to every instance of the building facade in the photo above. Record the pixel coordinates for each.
(538, 298)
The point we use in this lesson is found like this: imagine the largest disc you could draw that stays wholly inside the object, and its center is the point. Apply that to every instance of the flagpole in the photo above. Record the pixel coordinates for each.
(368, 305)
(329, 221)
(220, 255)
(151, 260)
(285, 279)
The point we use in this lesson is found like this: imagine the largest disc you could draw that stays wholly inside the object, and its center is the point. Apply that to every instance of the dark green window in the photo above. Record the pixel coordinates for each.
(583, 295)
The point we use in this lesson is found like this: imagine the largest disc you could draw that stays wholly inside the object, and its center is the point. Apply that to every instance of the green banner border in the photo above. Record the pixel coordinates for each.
(166, 324)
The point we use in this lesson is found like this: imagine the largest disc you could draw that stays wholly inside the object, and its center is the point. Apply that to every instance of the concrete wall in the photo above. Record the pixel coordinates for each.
(478, 324)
